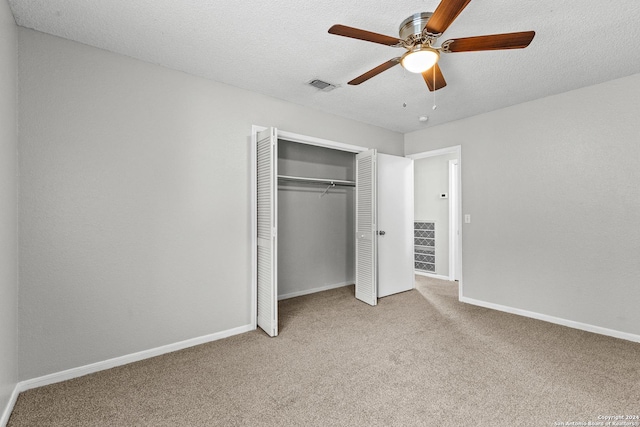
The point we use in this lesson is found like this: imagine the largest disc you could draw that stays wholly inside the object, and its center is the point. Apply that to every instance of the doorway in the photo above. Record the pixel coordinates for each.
(438, 213)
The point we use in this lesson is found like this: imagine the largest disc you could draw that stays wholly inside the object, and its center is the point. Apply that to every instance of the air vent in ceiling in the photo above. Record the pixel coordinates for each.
(321, 85)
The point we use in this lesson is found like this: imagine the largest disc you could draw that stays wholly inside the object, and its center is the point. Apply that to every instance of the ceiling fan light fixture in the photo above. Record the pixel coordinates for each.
(420, 60)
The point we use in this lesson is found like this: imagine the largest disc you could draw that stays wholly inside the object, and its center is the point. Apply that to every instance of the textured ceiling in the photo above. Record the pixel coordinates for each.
(275, 47)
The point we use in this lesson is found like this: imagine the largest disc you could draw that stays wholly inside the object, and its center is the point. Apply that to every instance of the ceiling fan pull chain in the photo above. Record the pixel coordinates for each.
(434, 86)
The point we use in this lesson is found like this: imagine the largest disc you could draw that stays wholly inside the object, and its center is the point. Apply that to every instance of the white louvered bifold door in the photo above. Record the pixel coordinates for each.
(366, 228)
(267, 182)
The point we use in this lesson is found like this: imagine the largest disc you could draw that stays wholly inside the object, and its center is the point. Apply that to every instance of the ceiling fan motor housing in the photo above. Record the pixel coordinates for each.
(412, 30)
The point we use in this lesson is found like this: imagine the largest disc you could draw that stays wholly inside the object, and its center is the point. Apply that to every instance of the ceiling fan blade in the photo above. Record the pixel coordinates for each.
(491, 42)
(446, 12)
(438, 82)
(372, 73)
(355, 33)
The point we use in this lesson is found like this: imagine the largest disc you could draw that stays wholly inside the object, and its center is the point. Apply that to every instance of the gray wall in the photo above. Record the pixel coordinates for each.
(552, 189)
(316, 235)
(8, 207)
(135, 201)
(431, 178)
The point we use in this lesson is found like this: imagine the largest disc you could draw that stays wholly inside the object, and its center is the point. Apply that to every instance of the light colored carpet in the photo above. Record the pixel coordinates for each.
(420, 358)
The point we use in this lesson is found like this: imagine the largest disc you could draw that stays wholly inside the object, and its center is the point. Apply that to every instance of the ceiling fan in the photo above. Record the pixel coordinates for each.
(418, 34)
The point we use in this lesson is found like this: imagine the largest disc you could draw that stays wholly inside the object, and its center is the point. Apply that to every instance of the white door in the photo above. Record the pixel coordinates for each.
(366, 244)
(267, 191)
(395, 225)
(454, 222)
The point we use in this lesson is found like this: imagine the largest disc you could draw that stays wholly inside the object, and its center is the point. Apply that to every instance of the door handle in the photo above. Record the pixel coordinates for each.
(382, 233)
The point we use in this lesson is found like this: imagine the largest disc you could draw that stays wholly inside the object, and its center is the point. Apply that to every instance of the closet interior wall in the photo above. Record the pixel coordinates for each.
(316, 231)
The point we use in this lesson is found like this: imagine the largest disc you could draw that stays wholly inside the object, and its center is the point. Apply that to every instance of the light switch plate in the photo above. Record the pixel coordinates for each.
(467, 218)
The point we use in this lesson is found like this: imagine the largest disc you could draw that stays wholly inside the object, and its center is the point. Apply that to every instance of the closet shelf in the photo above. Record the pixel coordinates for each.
(317, 180)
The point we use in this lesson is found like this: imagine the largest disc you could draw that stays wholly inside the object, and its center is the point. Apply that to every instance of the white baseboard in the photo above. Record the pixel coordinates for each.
(9, 408)
(434, 276)
(314, 290)
(129, 358)
(551, 319)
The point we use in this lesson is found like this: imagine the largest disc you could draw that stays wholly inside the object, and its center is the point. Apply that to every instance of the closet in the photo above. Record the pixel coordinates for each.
(320, 209)
(316, 218)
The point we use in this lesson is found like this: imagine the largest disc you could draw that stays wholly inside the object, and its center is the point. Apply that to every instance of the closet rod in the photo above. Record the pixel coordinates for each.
(317, 180)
